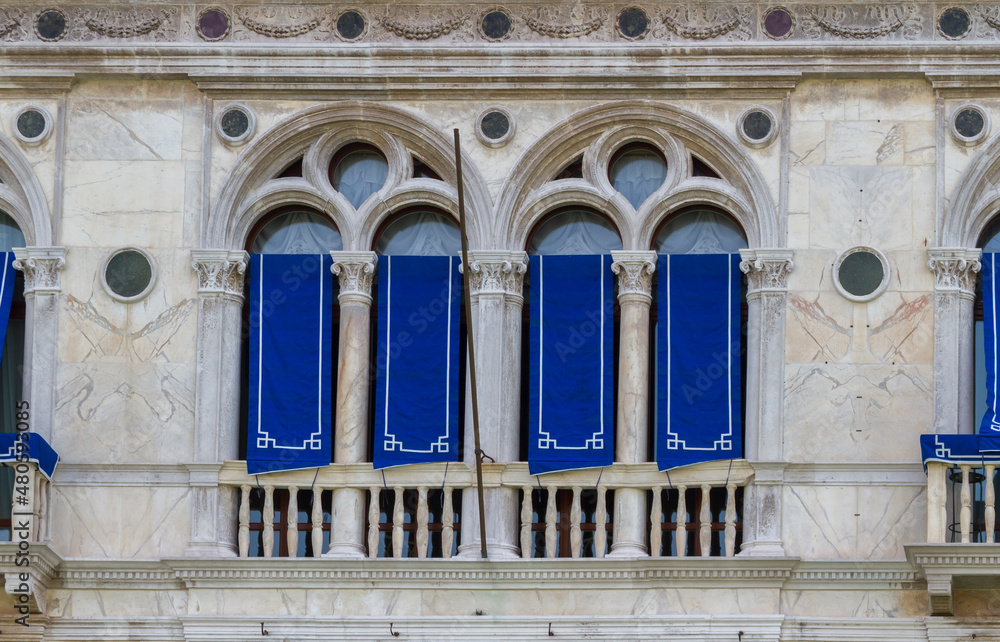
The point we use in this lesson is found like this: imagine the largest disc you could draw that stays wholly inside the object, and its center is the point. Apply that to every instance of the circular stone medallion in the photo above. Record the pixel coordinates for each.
(128, 274)
(351, 25)
(633, 23)
(757, 127)
(213, 24)
(861, 273)
(31, 123)
(970, 125)
(51, 25)
(495, 126)
(496, 25)
(778, 23)
(954, 23)
(236, 124)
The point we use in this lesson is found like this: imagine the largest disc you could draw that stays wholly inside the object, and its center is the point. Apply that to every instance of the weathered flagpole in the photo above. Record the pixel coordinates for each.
(472, 348)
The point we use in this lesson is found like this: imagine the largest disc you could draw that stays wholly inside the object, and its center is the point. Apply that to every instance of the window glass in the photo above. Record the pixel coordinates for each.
(574, 232)
(421, 234)
(359, 175)
(700, 232)
(299, 232)
(10, 234)
(637, 174)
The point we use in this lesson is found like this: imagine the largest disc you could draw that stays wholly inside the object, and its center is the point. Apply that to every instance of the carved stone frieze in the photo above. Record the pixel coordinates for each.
(635, 274)
(355, 271)
(85, 24)
(220, 271)
(125, 24)
(954, 269)
(281, 22)
(863, 22)
(41, 267)
(707, 23)
(13, 25)
(563, 31)
(450, 21)
(766, 269)
(496, 272)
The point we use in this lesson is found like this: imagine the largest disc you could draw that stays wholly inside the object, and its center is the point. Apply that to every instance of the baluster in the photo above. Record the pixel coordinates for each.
(655, 522)
(244, 536)
(550, 524)
(317, 522)
(705, 521)
(373, 517)
(575, 533)
(292, 522)
(422, 514)
(40, 512)
(680, 535)
(268, 520)
(601, 522)
(730, 519)
(989, 497)
(526, 514)
(397, 523)
(447, 523)
(966, 515)
(937, 515)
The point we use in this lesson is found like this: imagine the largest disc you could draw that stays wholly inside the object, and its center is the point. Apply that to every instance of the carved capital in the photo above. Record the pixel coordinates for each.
(766, 269)
(635, 275)
(220, 271)
(355, 271)
(496, 272)
(41, 266)
(954, 269)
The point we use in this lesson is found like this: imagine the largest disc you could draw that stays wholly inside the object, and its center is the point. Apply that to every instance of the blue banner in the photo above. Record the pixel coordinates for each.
(291, 362)
(27, 446)
(973, 450)
(698, 410)
(571, 407)
(991, 420)
(7, 276)
(417, 385)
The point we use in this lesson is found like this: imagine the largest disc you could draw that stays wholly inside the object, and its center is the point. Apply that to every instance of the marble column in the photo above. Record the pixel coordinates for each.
(217, 399)
(767, 294)
(350, 440)
(41, 266)
(635, 281)
(496, 281)
(955, 272)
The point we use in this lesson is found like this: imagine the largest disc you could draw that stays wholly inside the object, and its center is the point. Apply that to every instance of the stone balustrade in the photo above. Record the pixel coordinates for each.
(415, 511)
(961, 503)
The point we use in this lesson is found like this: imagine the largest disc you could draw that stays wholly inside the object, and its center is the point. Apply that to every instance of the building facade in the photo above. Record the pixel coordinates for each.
(844, 150)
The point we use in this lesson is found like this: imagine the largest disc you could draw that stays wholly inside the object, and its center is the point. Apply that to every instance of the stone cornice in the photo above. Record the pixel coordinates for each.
(355, 271)
(954, 269)
(941, 564)
(495, 272)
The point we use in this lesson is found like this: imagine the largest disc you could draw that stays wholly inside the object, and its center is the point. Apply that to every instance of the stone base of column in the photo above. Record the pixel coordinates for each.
(210, 549)
(502, 513)
(629, 538)
(762, 548)
(347, 524)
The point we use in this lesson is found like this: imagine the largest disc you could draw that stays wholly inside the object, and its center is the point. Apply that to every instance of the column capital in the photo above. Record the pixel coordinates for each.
(220, 271)
(767, 269)
(954, 269)
(635, 275)
(355, 271)
(496, 272)
(41, 266)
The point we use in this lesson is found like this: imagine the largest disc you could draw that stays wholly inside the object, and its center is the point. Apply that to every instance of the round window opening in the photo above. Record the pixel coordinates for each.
(32, 125)
(235, 123)
(861, 273)
(969, 124)
(778, 23)
(128, 274)
(213, 24)
(495, 126)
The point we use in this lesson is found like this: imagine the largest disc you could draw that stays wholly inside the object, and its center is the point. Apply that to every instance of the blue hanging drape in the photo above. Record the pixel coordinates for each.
(699, 415)
(27, 446)
(570, 413)
(990, 424)
(417, 360)
(291, 362)
(7, 276)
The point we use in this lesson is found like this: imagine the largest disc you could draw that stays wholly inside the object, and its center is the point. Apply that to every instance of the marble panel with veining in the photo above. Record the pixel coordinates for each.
(856, 603)
(860, 205)
(122, 603)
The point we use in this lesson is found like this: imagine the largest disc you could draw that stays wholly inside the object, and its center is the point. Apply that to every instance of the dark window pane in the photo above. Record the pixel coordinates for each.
(495, 125)
(234, 123)
(51, 25)
(757, 125)
(969, 123)
(496, 25)
(633, 22)
(128, 273)
(954, 22)
(350, 25)
(861, 273)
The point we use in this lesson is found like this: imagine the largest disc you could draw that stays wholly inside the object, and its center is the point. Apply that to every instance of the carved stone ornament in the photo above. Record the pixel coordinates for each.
(423, 32)
(125, 24)
(954, 269)
(563, 31)
(635, 273)
(863, 22)
(766, 270)
(41, 266)
(355, 271)
(700, 33)
(220, 271)
(497, 272)
(267, 28)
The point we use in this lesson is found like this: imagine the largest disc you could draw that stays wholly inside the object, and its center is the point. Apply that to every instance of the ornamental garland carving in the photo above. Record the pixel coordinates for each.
(412, 31)
(7, 27)
(496, 276)
(563, 31)
(125, 24)
(273, 23)
(12, 25)
(954, 269)
(706, 23)
(863, 22)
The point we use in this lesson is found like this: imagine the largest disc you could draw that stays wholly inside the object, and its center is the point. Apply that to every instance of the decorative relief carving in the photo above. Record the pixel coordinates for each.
(635, 273)
(563, 31)
(220, 271)
(497, 272)
(863, 22)
(355, 271)
(273, 23)
(41, 267)
(766, 270)
(125, 24)
(954, 269)
(705, 23)
(411, 31)
(12, 25)
(8, 26)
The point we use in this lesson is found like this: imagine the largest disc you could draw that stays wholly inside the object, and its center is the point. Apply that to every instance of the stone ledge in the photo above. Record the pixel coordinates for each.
(945, 565)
